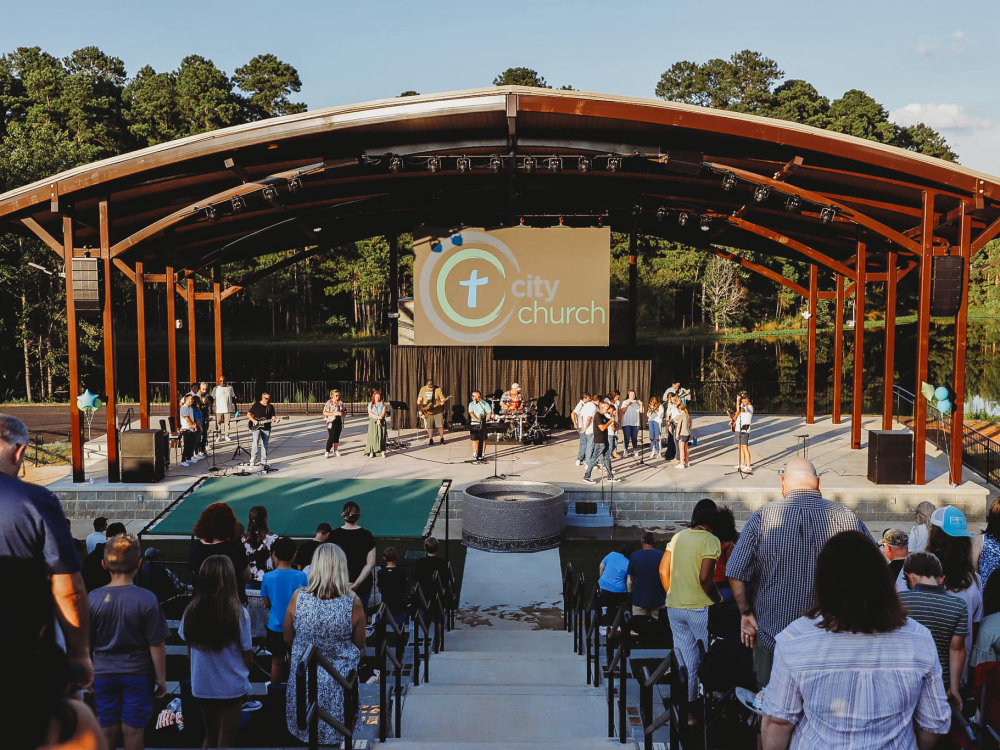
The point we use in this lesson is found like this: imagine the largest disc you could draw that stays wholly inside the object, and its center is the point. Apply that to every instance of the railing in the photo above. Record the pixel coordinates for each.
(647, 682)
(125, 423)
(619, 661)
(308, 712)
(419, 623)
(307, 395)
(395, 657)
(769, 397)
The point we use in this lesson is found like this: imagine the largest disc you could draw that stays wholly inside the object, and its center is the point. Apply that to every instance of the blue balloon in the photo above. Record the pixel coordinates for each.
(944, 406)
(86, 400)
(941, 393)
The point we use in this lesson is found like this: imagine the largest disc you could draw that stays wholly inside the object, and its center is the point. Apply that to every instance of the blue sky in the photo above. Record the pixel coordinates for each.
(923, 60)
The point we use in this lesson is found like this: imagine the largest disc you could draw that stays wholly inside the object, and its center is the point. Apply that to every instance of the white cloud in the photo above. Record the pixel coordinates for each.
(925, 49)
(940, 117)
(958, 34)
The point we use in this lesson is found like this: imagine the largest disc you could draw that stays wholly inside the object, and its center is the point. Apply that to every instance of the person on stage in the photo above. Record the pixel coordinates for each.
(378, 410)
(333, 413)
(614, 400)
(262, 414)
(206, 410)
(480, 412)
(676, 389)
(654, 418)
(670, 412)
(430, 401)
(631, 413)
(683, 435)
(225, 406)
(744, 417)
(603, 423)
(582, 415)
(511, 401)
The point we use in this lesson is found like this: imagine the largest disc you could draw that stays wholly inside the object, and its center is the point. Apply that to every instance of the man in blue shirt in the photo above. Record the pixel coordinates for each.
(480, 413)
(34, 527)
(648, 596)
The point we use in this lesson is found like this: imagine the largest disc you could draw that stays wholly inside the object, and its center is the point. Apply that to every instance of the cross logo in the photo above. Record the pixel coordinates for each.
(473, 283)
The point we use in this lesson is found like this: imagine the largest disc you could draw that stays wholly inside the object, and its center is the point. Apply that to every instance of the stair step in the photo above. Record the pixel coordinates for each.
(577, 743)
(509, 641)
(494, 668)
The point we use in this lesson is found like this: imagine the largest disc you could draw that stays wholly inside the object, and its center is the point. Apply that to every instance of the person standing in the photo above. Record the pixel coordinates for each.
(304, 554)
(615, 414)
(599, 451)
(894, 546)
(261, 417)
(917, 538)
(97, 536)
(276, 589)
(430, 401)
(772, 568)
(333, 414)
(682, 425)
(613, 578)
(393, 586)
(648, 596)
(257, 542)
(205, 409)
(359, 547)
(631, 413)
(480, 412)
(744, 418)
(654, 420)
(986, 546)
(217, 533)
(585, 424)
(189, 431)
(670, 413)
(224, 399)
(377, 432)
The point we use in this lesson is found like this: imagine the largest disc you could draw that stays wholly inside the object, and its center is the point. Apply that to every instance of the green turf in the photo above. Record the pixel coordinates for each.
(389, 508)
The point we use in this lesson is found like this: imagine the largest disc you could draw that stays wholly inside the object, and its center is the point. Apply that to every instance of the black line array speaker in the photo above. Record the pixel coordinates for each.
(143, 455)
(947, 275)
(890, 457)
(87, 286)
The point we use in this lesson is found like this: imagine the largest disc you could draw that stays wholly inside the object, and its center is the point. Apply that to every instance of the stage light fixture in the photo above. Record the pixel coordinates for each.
(269, 193)
(555, 163)
(464, 164)
(761, 193)
(683, 218)
(728, 181)
(661, 213)
(434, 163)
(395, 164)
(828, 214)
(294, 185)
(211, 213)
(706, 223)
(238, 203)
(636, 210)
(529, 164)
(793, 203)
(614, 163)
(584, 164)
(496, 163)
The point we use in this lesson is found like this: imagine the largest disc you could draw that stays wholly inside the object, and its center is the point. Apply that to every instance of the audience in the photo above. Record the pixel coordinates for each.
(648, 596)
(987, 644)
(773, 564)
(425, 568)
(216, 628)
(393, 586)
(326, 614)
(155, 576)
(945, 616)
(97, 536)
(854, 671)
(95, 574)
(986, 546)
(894, 547)
(359, 547)
(725, 531)
(304, 556)
(34, 527)
(613, 572)
(257, 542)
(919, 533)
(687, 572)
(130, 658)
(277, 588)
(217, 533)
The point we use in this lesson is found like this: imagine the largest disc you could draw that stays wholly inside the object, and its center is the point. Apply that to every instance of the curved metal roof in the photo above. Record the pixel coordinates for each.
(774, 186)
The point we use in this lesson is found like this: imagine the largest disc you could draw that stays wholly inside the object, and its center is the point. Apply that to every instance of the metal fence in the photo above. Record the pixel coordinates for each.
(772, 397)
(305, 396)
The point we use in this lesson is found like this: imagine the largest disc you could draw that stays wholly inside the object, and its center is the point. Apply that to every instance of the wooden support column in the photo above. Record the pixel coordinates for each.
(393, 239)
(75, 416)
(923, 336)
(140, 325)
(192, 339)
(890, 339)
(857, 394)
(217, 310)
(172, 341)
(838, 347)
(110, 387)
(633, 281)
(961, 324)
(811, 323)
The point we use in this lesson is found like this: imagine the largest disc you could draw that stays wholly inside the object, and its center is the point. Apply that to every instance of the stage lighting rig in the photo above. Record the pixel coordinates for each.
(761, 193)
(683, 218)
(828, 214)
(434, 163)
(728, 181)
(269, 193)
(464, 163)
(555, 164)
(496, 164)
(706, 223)
(395, 164)
(583, 164)
(211, 213)
(614, 163)
(793, 204)
(661, 213)
(238, 203)
(294, 185)
(529, 164)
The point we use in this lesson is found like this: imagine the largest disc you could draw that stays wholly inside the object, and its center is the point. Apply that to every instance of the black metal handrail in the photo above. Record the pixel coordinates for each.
(567, 596)
(592, 638)
(421, 606)
(384, 619)
(646, 684)
(578, 609)
(441, 610)
(125, 423)
(308, 712)
(619, 661)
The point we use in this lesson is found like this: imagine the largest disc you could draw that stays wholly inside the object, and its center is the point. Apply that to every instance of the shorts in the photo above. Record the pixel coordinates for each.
(477, 433)
(763, 660)
(654, 612)
(275, 643)
(742, 438)
(124, 699)
(434, 420)
(683, 439)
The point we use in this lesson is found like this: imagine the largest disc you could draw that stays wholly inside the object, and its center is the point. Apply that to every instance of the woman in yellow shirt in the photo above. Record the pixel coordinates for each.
(687, 572)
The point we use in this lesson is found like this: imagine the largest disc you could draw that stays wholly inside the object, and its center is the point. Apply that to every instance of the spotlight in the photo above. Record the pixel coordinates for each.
(495, 163)
(661, 213)
(683, 218)
(269, 193)
(434, 163)
(555, 163)
(211, 213)
(529, 164)
(636, 210)
(761, 193)
(614, 163)
(238, 203)
(294, 185)
(793, 203)
(706, 223)
(584, 164)
(464, 164)
(395, 164)
(828, 214)
(728, 181)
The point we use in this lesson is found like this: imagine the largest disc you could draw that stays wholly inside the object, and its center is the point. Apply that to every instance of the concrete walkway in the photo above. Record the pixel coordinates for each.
(508, 676)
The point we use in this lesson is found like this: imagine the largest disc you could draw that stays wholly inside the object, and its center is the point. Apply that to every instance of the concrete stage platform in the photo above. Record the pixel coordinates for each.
(652, 493)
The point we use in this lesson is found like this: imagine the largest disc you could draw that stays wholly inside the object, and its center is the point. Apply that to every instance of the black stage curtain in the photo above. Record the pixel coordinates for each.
(556, 375)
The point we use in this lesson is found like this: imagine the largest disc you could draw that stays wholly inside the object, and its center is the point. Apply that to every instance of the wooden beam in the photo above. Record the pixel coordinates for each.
(889, 368)
(123, 267)
(39, 231)
(838, 347)
(172, 343)
(75, 415)
(192, 338)
(155, 278)
(786, 171)
(140, 325)
(762, 270)
(923, 336)
(788, 242)
(985, 236)
(230, 291)
(857, 395)
(108, 319)
(961, 330)
(811, 346)
(217, 319)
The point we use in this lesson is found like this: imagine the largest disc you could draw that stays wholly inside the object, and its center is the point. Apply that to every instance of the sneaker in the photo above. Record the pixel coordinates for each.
(687, 466)
(678, 466)
(739, 466)
(185, 463)
(326, 454)
(747, 469)
(336, 453)
(588, 480)
(614, 479)
(579, 462)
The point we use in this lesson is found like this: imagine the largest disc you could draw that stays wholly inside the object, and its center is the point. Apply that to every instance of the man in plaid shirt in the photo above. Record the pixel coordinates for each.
(773, 566)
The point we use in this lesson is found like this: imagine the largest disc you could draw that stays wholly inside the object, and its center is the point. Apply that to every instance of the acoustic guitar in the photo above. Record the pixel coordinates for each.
(261, 422)
(425, 409)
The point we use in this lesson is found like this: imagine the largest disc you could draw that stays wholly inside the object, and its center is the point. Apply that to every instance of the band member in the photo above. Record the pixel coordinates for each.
(225, 407)
(430, 401)
(333, 413)
(741, 425)
(480, 412)
(261, 417)
(378, 410)
(188, 430)
(676, 389)
(511, 400)
(199, 417)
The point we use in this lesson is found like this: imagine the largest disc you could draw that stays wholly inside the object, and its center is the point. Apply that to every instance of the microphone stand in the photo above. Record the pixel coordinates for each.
(239, 446)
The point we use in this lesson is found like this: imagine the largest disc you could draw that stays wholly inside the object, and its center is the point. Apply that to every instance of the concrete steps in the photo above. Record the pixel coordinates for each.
(495, 668)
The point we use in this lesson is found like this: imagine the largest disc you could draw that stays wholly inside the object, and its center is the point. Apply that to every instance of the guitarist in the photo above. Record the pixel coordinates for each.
(261, 417)
(740, 422)
(430, 402)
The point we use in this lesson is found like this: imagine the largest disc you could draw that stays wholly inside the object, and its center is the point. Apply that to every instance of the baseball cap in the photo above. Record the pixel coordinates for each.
(951, 521)
(895, 538)
(515, 386)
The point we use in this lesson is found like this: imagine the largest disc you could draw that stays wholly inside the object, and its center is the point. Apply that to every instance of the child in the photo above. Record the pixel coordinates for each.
(130, 660)
(393, 586)
(277, 589)
(216, 628)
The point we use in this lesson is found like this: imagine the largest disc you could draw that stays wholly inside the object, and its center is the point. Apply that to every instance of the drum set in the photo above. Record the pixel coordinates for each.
(522, 422)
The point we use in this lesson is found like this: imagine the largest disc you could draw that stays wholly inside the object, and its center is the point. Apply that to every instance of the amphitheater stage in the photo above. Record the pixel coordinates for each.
(651, 493)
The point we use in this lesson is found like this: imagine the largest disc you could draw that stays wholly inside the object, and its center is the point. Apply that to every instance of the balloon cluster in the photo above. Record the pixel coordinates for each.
(88, 402)
(943, 396)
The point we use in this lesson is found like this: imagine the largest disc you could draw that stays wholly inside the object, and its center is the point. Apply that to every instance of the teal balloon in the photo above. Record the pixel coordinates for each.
(86, 400)
(944, 406)
(98, 404)
(941, 393)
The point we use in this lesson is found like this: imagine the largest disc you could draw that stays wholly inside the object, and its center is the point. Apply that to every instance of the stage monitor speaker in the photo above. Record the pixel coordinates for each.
(143, 455)
(890, 457)
(947, 276)
(87, 286)
(586, 507)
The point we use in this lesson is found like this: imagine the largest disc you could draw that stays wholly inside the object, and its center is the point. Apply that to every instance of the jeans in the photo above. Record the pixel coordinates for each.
(585, 442)
(599, 452)
(631, 434)
(260, 440)
(654, 436)
(612, 442)
(188, 439)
